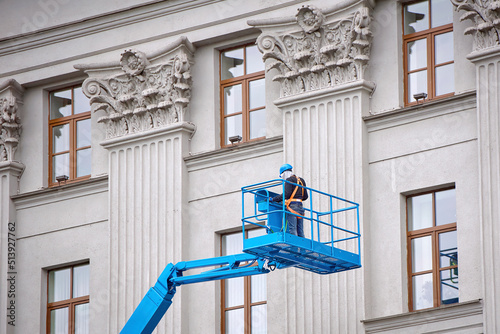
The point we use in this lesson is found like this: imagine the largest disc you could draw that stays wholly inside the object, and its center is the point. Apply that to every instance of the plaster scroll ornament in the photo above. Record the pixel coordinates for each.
(319, 54)
(10, 127)
(144, 95)
(485, 14)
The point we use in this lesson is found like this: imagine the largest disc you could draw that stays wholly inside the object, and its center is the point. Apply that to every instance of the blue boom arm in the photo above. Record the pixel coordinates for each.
(159, 298)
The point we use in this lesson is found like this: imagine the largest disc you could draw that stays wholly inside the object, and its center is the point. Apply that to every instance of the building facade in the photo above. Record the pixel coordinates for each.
(127, 130)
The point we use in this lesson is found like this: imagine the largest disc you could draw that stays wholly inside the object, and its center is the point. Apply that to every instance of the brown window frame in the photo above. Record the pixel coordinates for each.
(70, 303)
(434, 232)
(247, 295)
(429, 35)
(244, 80)
(73, 149)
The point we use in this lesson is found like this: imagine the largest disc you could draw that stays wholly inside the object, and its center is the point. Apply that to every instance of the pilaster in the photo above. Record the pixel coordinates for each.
(143, 105)
(319, 57)
(10, 172)
(485, 29)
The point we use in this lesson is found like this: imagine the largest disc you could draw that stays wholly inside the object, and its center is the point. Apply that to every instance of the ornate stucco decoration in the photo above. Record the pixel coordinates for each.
(485, 14)
(318, 50)
(11, 93)
(143, 92)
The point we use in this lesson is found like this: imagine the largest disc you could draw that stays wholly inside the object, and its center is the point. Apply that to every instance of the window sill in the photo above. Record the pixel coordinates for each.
(466, 316)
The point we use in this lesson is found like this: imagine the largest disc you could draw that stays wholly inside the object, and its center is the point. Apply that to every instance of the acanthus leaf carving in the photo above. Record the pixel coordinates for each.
(143, 96)
(321, 54)
(10, 121)
(485, 15)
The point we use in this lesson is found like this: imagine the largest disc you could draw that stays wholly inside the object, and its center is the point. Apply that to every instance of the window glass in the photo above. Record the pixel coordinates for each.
(445, 79)
(60, 104)
(233, 99)
(417, 54)
(60, 165)
(259, 319)
(417, 83)
(233, 127)
(448, 255)
(59, 321)
(235, 321)
(446, 207)
(443, 47)
(254, 60)
(59, 285)
(421, 251)
(82, 319)
(234, 292)
(232, 244)
(83, 133)
(60, 138)
(83, 165)
(423, 295)
(258, 288)
(416, 17)
(232, 64)
(257, 123)
(449, 286)
(257, 94)
(81, 280)
(442, 12)
(420, 212)
(82, 103)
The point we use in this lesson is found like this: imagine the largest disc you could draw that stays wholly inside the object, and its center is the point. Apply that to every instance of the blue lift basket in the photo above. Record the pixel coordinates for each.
(331, 225)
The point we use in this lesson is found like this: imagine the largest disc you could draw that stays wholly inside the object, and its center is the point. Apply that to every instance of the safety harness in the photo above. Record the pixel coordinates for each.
(292, 199)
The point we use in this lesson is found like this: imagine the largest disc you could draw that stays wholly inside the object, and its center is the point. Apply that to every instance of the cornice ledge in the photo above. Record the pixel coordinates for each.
(11, 84)
(11, 166)
(235, 153)
(183, 127)
(315, 94)
(486, 53)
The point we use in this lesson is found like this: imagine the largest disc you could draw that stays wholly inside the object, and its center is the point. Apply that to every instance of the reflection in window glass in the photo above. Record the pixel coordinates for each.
(417, 54)
(257, 94)
(417, 83)
(60, 104)
(448, 255)
(232, 99)
(83, 133)
(445, 79)
(60, 138)
(449, 286)
(442, 12)
(259, 319)
(419, 212)
(254, 60)
(421, 251)
(423, 296)
(416, 17)
(232, 64)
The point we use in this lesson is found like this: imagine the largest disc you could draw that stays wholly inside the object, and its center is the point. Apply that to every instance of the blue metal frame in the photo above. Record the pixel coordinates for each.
(312, 253)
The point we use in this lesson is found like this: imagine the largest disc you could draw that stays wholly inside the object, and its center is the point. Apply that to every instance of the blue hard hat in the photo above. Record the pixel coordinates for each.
(285, 167)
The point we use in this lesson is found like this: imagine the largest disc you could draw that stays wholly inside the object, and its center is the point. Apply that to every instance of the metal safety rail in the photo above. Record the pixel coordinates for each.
(331, 224)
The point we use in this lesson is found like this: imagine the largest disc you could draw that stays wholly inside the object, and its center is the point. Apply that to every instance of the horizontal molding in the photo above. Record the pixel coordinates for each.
(417, 113)
(64, 192)
(234, 153)
(427, 318)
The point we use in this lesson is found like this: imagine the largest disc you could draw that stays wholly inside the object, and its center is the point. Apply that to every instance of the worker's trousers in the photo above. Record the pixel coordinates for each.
(295, 225)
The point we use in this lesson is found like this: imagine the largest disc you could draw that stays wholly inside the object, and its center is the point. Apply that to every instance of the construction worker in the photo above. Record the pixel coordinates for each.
(294, 195)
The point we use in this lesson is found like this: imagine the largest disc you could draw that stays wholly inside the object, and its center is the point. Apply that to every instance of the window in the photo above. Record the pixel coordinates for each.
(242, 88)
(68, 300)
(428, 49)
(69, 135)
(432, 250)
(244, 306)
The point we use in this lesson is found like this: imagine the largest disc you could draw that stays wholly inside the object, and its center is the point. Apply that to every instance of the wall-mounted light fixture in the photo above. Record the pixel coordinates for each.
(235, 139)
(420, 96)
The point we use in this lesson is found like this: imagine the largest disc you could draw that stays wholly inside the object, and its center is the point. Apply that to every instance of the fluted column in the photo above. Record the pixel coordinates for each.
(143, 102)
(319, 59)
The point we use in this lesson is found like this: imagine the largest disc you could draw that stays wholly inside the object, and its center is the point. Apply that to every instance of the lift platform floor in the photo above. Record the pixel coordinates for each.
(292, 251)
